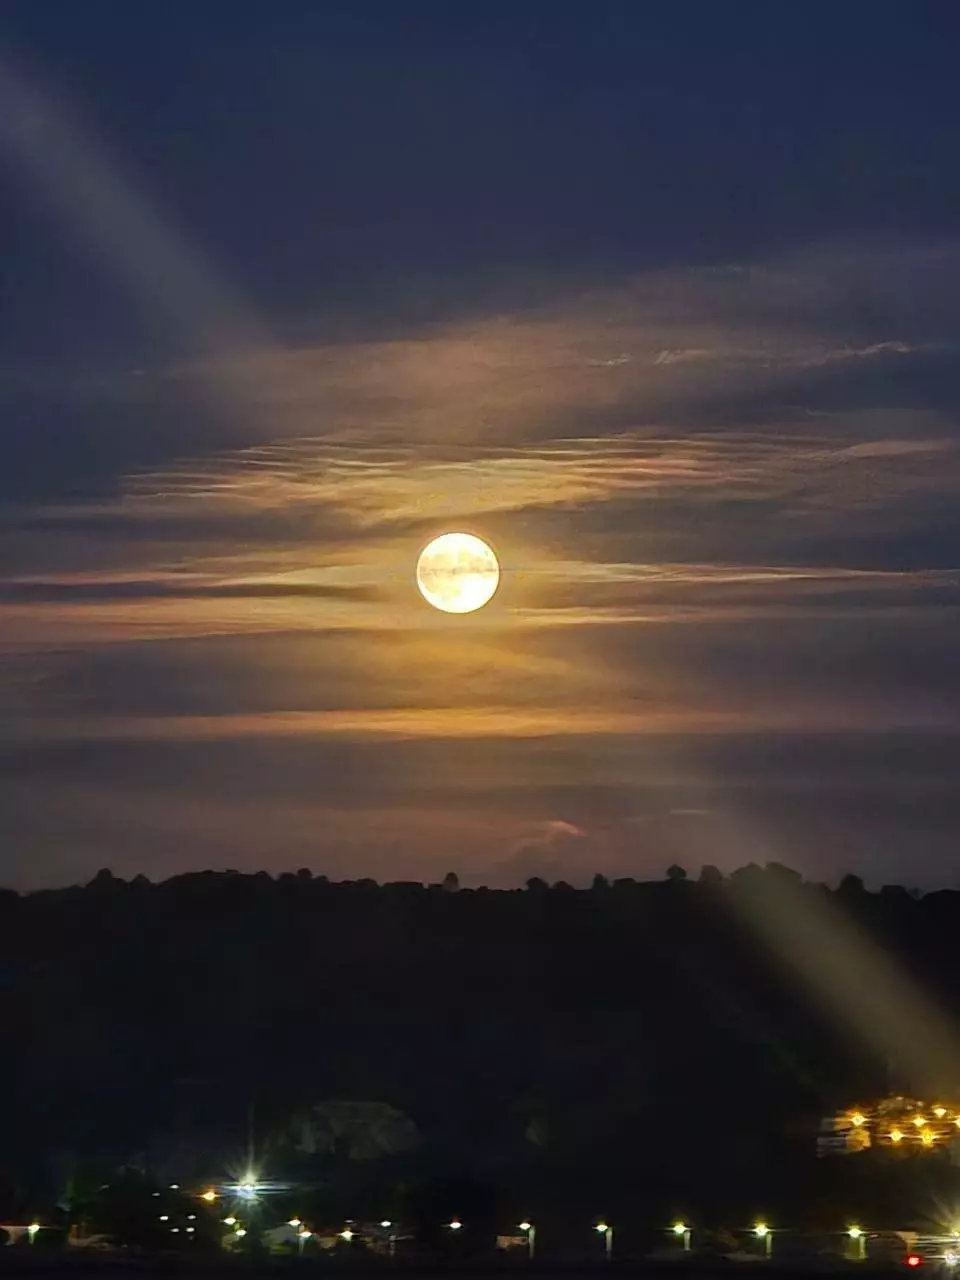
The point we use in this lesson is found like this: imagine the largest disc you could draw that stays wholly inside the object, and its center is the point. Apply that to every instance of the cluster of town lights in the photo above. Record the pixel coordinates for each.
(927, 1131)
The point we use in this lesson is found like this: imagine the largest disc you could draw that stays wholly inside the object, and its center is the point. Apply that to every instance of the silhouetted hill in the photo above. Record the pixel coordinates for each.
(583, 1047)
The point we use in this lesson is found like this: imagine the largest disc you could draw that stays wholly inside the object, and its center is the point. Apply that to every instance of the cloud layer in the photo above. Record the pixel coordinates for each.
(724, 500)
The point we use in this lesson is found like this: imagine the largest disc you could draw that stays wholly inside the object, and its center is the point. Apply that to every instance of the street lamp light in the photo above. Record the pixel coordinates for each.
(454, 1224)
(302, 1237)
(32, 1230)
(763, 1232)
(682, 1230)
(607, 1232)
(346, 1234)
(531, 1233)
(248, 1187)
(857, 1235)
(387, 1225)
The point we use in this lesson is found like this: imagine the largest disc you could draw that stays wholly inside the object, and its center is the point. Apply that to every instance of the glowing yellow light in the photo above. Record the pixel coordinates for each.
(346, 1234)
(525, 1226)
(896, 1135)
(761, 1230)
(919, 1121)
(957, 1122)
(679, 1228)
(230, 1222)
(294, 1222)
(939, 1112)
(209, 1196)
(855, 1233)
(240, 1232)
(601, 1226)
(457, 573)
(927, 1138)
(857, 1119)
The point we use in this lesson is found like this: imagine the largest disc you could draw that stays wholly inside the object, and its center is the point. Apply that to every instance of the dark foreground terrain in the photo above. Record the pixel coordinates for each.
(418, 1052)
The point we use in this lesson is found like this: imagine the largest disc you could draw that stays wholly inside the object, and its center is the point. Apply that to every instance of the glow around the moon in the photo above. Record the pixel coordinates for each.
(457, 573)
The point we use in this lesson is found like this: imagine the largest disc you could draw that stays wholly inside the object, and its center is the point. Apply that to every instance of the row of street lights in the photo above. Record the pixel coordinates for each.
(679, 1229)
(761, 1230)
(304, 1233)
(249, 1188)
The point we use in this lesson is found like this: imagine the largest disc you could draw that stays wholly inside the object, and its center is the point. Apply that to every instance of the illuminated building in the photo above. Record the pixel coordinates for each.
(897, 1124)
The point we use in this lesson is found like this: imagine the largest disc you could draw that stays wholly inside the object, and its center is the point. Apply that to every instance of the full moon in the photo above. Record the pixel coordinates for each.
(457, 573)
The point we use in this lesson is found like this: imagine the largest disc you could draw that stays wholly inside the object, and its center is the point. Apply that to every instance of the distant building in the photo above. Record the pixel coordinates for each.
(897, 1124)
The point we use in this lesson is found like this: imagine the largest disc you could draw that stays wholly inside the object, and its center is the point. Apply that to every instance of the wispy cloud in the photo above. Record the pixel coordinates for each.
(356, 488)
(473, 723)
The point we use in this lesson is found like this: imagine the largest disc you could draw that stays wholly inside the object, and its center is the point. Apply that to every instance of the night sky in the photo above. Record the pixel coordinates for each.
(662, 299)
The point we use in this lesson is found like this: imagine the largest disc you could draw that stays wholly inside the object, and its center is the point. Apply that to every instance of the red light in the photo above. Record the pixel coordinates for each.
(914, 1260)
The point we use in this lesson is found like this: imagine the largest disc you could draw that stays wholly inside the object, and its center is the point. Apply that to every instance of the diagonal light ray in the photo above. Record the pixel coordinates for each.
(91, 196)
(858, 985)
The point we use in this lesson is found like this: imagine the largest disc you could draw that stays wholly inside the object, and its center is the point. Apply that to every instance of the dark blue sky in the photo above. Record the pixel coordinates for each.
(662, 298)
(456, 140)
